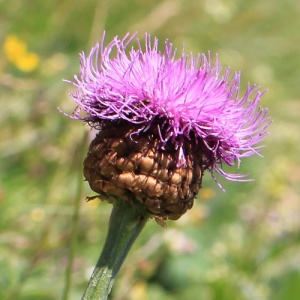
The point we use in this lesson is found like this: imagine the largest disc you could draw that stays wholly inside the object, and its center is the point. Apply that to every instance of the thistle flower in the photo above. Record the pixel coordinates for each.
(162, 122)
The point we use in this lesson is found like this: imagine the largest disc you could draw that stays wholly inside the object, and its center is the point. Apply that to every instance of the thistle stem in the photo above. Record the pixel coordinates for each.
(125, 224)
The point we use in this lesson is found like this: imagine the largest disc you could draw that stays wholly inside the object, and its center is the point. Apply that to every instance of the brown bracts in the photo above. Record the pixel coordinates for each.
(131, 166)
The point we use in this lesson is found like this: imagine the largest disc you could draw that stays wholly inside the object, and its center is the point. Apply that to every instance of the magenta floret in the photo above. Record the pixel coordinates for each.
(188, 94)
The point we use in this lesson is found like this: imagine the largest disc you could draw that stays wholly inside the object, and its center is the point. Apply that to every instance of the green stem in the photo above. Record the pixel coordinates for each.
(125, 224)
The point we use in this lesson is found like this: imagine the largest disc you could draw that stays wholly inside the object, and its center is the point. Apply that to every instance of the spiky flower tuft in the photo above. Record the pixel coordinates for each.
(183, 100)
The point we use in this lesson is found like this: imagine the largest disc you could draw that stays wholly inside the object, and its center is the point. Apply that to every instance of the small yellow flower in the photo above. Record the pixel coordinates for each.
(16, 52)
(27, 62)
(13, 47)
(139, 291)
(206, 194)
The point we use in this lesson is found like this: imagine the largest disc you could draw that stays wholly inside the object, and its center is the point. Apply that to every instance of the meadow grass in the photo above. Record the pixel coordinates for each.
(242, 244)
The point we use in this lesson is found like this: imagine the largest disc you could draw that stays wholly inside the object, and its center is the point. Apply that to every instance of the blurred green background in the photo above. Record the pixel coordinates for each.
(242, 244)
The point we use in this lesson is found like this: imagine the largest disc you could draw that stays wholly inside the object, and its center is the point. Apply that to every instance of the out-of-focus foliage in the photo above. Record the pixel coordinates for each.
(241, 244)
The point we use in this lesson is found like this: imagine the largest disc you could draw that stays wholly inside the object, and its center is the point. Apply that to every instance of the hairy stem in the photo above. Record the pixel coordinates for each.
(125, 224)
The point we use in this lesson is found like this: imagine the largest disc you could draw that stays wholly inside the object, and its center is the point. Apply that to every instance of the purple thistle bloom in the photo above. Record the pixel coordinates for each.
(183, 97)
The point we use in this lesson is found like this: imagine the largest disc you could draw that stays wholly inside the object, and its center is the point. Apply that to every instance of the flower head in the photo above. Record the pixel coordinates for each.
(183, 97)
